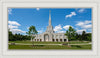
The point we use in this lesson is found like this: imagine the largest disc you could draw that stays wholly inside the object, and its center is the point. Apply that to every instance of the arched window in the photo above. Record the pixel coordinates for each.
(64, 40)
(53, 40)
(40, 39)
(60, 40)
(57, 40)
(46, 37)
(37, 39)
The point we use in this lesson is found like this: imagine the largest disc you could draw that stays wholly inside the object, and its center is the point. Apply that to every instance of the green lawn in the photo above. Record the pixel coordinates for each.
(72, 42)
(28, 47)
(76, 47)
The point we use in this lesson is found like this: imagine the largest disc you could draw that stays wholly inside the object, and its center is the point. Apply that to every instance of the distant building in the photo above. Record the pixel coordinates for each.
(49, 35)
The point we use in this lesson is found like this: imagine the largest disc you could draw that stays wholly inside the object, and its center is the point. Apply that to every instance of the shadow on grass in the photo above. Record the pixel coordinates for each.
(76, 46)
(37, 46)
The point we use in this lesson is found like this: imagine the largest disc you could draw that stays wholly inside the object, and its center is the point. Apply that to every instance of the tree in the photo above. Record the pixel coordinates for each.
(32, 31)
(78, 36)
(83, 35)
(89, 36)
(10, 35)
(17, 37)
(71, 33)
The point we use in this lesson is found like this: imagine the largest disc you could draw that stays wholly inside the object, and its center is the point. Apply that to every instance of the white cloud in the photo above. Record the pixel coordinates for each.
(80, 24)
(13, 26)
(57, 28)
(40, 31)
(13, 23)
(14, 31)
(80, 31)
(38, 9)
(66, 27)
(9, 11)
(89, 29)
(70, 15)
(86, 24)
(27, 27)
(61, 31)
(81, 10)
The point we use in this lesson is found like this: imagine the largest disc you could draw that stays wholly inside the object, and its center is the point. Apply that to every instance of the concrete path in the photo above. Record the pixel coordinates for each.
(79, 44)
(34, 44)
(47, 44)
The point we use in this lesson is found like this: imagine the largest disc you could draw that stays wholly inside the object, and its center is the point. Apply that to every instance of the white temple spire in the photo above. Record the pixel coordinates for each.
(49, 17)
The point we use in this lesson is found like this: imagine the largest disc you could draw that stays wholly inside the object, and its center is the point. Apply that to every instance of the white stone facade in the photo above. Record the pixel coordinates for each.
(50, 36)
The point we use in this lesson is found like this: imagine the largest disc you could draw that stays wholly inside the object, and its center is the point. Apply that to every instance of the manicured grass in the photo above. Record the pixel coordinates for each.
(29, 42)
(55, 47)
(72, 47)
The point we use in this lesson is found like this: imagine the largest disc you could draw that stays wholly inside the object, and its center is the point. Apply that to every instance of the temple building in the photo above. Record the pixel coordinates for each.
(49, 35)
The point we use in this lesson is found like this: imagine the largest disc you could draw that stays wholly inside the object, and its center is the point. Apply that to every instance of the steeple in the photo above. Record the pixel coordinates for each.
(50, 27)
(49, 17)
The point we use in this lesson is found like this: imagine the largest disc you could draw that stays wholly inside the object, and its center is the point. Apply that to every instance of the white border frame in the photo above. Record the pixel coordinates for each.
(50, 52)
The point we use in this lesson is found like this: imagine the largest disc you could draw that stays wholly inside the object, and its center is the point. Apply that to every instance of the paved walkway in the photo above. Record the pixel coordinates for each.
(48, 44)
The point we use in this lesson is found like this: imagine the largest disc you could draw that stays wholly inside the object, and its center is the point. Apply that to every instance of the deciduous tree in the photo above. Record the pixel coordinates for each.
(71, 33)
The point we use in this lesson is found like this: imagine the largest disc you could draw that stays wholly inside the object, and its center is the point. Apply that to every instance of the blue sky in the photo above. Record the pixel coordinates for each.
(20, 19)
